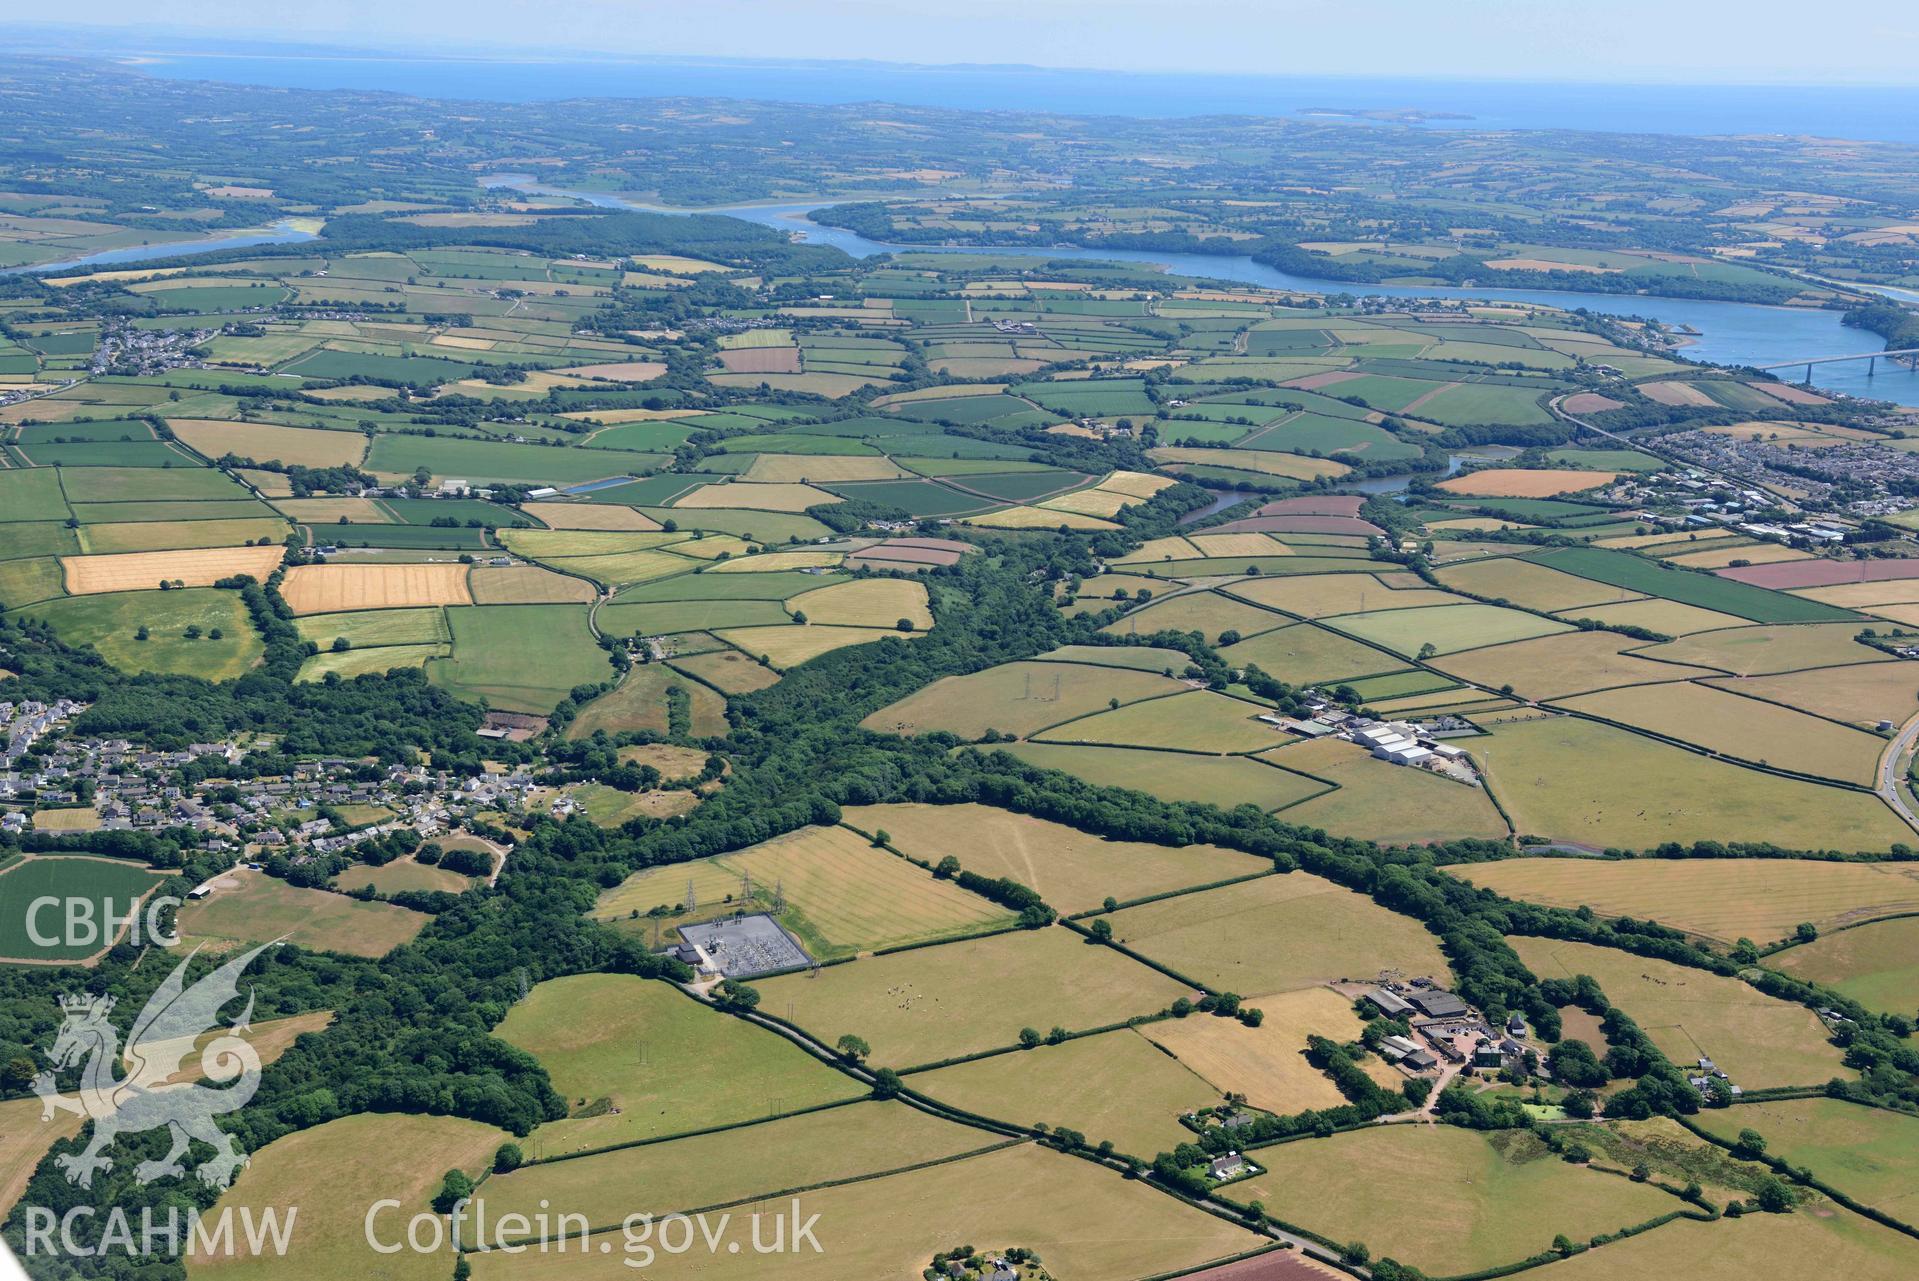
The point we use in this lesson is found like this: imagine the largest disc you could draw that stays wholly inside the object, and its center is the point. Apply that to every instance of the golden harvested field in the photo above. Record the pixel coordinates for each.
(872, 602)
(1679, 394)
(752, 497)
(1559, 666)
(252, 907)
(639, 702)
(1037, 518)
(525, 585)
(589, 516)
(817, 468)
(1740, 728)
(1267, 1063)
(24, 1141)
(549, 544)
(1303, 653)
(1720, 899)
(628, 371)
(937, 1003)
(1089, 502)
(1292, 466)
(1239, 545)
(334, 1173)
(1829, 1242)
(1502, 1197)
(786, 647)
(1758, 1041)
(1278, 934)
(729, 671)
(1086, 1223)
(1514, 482)
(1323, 595)
(1136, 484)
(1891, 591)
(1383, 802)
(707, 1169)
(1570, 779)
(265, 442)
(361, 662)
(1016, 698)
(1720, 557)
(1073, 871)
(196, 567)
(327, 589)
(1114, 1086)
(328, 511)
(1864, 693)
(672, 762)
(845, 895)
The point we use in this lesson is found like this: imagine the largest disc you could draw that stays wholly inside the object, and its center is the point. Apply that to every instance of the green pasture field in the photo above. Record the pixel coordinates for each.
(1608, 459)
(1876, 965)
(726, 587)
(1740, 728)
(1288, 932)
(684, 1174)
(159, 535)
(1072, 870)
(650, 489)
(106, 429)
(668, 617)
(1309, 432)
(918, 497)
(31, 494)
(416, 370)
(843, 895)
(488, 460)
(259, 908)
(1382, 802)
(1472, 404)
(1207, 612)
(362, 662)
(1757, 1040)
(183, 483)
(1503, 1197)
(109, 885)
(1655, 578)
(639, 703)
(1016, 698)
(1570, 779)
(110, 622)
(1136, 658)
(1116, 1087)
(223, 508)
(1719, 899)
(1225, 781)
(1376, 689)
(1022, 486)
(22, 539)
(1870, 1154)
(1194, 720)
(754, 526)
(930, 1004)
(399, 536)
(668, 1064)
(1758, 651)
(1534, 586)
(522, 658)
(1862, 693)
(424, 511)
(645, 437)
(1448, 628)
(137, 453)
(373, 627)
(1080, 1220)
(1569, 663)
(27, 580)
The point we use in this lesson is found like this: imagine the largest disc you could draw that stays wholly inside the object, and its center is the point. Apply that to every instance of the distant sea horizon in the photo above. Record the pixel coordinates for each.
(1866, 113)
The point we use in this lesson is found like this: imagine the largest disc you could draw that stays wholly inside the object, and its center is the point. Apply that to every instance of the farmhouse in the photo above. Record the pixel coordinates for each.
(1230, 1166)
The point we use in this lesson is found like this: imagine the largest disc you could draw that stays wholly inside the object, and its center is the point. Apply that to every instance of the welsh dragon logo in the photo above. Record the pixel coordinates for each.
(156, 1088)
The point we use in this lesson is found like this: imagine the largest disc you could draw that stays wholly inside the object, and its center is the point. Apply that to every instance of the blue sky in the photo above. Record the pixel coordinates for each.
(1683, 41)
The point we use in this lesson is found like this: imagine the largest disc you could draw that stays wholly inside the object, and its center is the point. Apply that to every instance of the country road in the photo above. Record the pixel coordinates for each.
(1892, 771)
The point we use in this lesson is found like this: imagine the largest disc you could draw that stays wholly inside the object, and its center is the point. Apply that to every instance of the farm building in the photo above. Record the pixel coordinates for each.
(1435, 1004)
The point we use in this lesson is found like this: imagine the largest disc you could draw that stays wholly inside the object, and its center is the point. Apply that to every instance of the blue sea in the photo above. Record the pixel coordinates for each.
(1881, 114)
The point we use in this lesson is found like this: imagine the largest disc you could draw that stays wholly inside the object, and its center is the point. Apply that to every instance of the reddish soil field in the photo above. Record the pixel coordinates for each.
(1319, 505)
(1589, 402)
(1785, 575)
